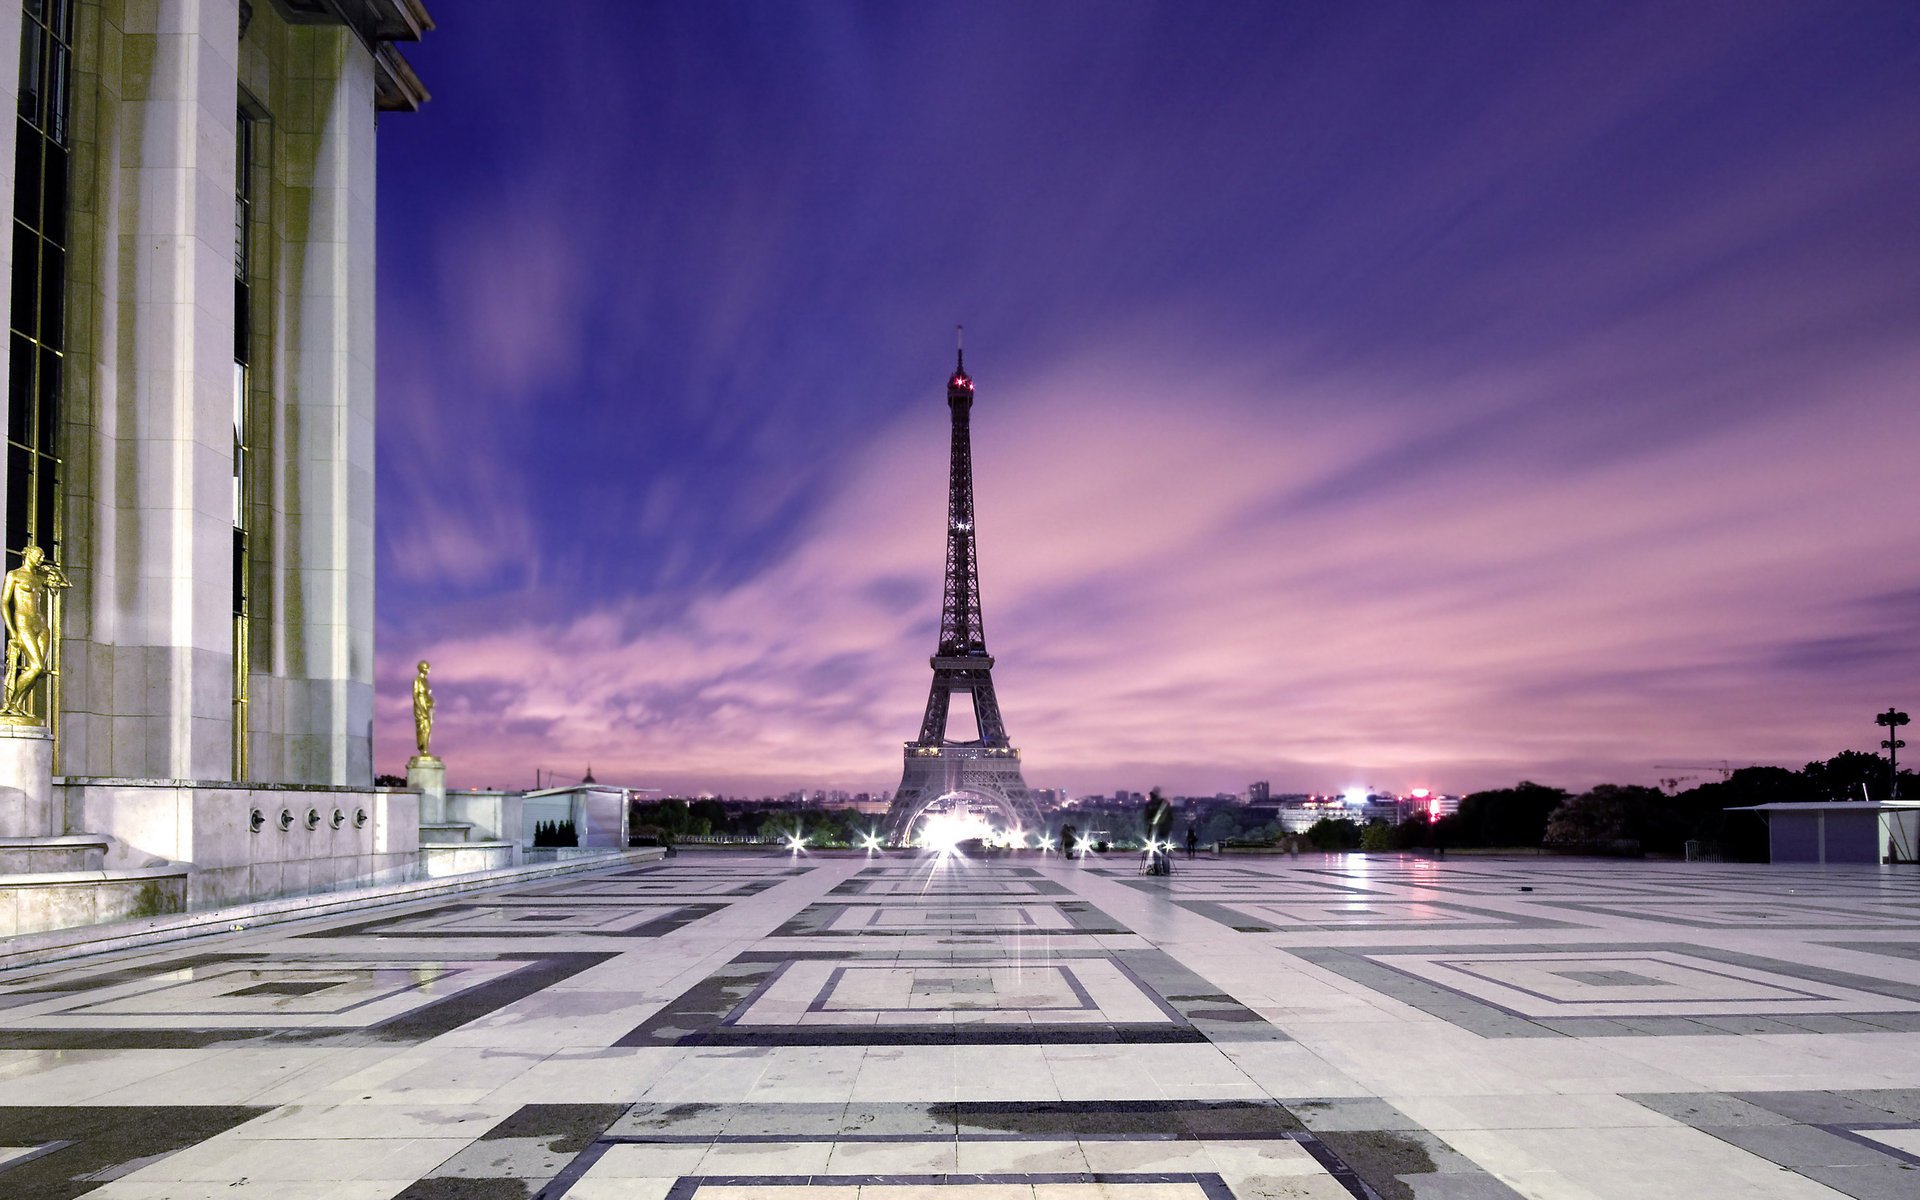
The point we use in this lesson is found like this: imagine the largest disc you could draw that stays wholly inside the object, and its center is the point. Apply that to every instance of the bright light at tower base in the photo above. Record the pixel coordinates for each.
(945, 831)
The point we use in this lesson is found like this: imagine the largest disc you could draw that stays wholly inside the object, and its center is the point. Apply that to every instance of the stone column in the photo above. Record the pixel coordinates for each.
(325, 556)
(149, 637)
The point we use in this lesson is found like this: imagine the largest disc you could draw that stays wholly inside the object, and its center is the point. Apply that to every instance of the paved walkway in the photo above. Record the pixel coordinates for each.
(764, 1027)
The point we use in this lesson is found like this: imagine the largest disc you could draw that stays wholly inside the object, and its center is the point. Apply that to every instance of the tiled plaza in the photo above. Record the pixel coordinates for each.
(730, 1026)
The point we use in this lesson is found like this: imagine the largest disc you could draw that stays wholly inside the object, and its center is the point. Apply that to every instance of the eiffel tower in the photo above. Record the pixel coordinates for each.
(984, 772)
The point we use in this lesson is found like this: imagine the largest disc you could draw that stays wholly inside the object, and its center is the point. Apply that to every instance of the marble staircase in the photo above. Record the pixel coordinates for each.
(449, 848)
(51, 879)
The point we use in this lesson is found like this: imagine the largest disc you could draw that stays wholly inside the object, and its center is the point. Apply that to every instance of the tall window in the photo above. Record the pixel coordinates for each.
(242, 436)
(36, 316)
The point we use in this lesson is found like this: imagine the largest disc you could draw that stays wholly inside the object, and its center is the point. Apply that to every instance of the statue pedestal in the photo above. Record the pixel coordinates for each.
(429, 774)
(26, 783)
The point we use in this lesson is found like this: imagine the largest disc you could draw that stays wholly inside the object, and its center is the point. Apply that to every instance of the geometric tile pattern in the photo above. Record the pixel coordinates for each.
(851, 997)
(59, 1152)
(1634, 989)
(1358, 914)
(681, 1152)
(1747, 913)
(315, 998)
(865, 920)
(1863, 1143)
(520, 917)
(768, 1026)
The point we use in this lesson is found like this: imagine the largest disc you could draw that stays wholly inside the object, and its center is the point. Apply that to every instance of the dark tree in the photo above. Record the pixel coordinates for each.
(712, 812)
(1515, 816)
(1846, 774)
(1710, 810)
(669, 814)
(1613, 818)
(1331, 833)
(1414, 833)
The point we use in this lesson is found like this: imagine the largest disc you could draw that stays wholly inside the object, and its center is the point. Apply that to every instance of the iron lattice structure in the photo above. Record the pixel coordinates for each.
(987, 769)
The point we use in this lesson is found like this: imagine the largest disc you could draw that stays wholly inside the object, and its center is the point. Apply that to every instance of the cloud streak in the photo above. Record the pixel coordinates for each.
(1543, 408)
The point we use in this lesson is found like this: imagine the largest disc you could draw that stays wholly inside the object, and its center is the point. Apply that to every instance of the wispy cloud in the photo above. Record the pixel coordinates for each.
(1163, 599)
(1361, 401)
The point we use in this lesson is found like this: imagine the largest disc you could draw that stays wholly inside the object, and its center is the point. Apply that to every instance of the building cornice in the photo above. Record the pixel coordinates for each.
(378, 24)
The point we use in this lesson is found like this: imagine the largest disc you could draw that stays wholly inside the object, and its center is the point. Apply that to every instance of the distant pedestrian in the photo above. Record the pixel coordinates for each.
(1193, 841)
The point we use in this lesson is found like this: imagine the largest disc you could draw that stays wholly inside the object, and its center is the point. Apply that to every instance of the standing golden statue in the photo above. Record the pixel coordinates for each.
(26, 600)
(422, 710)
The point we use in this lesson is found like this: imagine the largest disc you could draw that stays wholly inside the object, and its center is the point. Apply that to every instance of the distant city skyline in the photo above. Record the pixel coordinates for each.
(1388, 396)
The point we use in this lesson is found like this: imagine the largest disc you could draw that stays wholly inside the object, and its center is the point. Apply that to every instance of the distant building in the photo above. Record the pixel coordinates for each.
(1258, 792)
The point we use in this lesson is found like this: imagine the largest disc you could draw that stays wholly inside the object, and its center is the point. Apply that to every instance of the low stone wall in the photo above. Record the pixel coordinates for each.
(551, 854)
(35, 903)
(464, 858)
(495, 816)
(309, 838)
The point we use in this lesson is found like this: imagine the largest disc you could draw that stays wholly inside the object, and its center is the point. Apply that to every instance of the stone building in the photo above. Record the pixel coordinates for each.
(189, 387)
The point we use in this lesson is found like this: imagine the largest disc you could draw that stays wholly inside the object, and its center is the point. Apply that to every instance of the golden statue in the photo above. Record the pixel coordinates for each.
(25, 600)
(422, 710)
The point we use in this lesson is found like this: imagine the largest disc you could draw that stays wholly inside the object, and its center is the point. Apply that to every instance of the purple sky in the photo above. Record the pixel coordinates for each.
(1434, 395)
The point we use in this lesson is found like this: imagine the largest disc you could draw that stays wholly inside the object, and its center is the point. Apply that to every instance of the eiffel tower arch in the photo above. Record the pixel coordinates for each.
(985, 770)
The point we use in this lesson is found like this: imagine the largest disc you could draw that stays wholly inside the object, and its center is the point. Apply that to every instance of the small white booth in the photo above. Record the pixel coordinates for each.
(599, 813)
(1841, 831)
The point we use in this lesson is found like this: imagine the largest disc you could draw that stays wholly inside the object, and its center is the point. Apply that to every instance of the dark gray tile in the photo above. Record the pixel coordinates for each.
(1705, 1110)
(1820, 1108)
(1801, 1146)
(1867, 1183)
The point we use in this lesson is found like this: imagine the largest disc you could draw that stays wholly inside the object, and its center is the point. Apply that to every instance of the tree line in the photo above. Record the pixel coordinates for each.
(1606, 819)
(1613, 818)
(676, 818)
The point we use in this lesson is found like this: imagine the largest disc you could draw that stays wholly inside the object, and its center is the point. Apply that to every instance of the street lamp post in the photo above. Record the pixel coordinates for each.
(1893, 719)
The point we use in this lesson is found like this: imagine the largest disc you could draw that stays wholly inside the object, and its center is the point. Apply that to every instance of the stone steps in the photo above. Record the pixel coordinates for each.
(457, 858)
(37, 855)
(37, 902)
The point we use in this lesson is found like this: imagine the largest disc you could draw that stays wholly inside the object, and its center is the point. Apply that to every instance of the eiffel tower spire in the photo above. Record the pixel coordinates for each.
(961, 631)
(985, 770)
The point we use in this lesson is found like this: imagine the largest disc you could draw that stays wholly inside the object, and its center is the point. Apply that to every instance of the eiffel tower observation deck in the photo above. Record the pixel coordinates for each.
(940, 773)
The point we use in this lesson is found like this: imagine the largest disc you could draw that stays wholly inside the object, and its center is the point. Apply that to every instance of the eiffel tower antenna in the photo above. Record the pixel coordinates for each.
(960, 349)
(984, 772)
